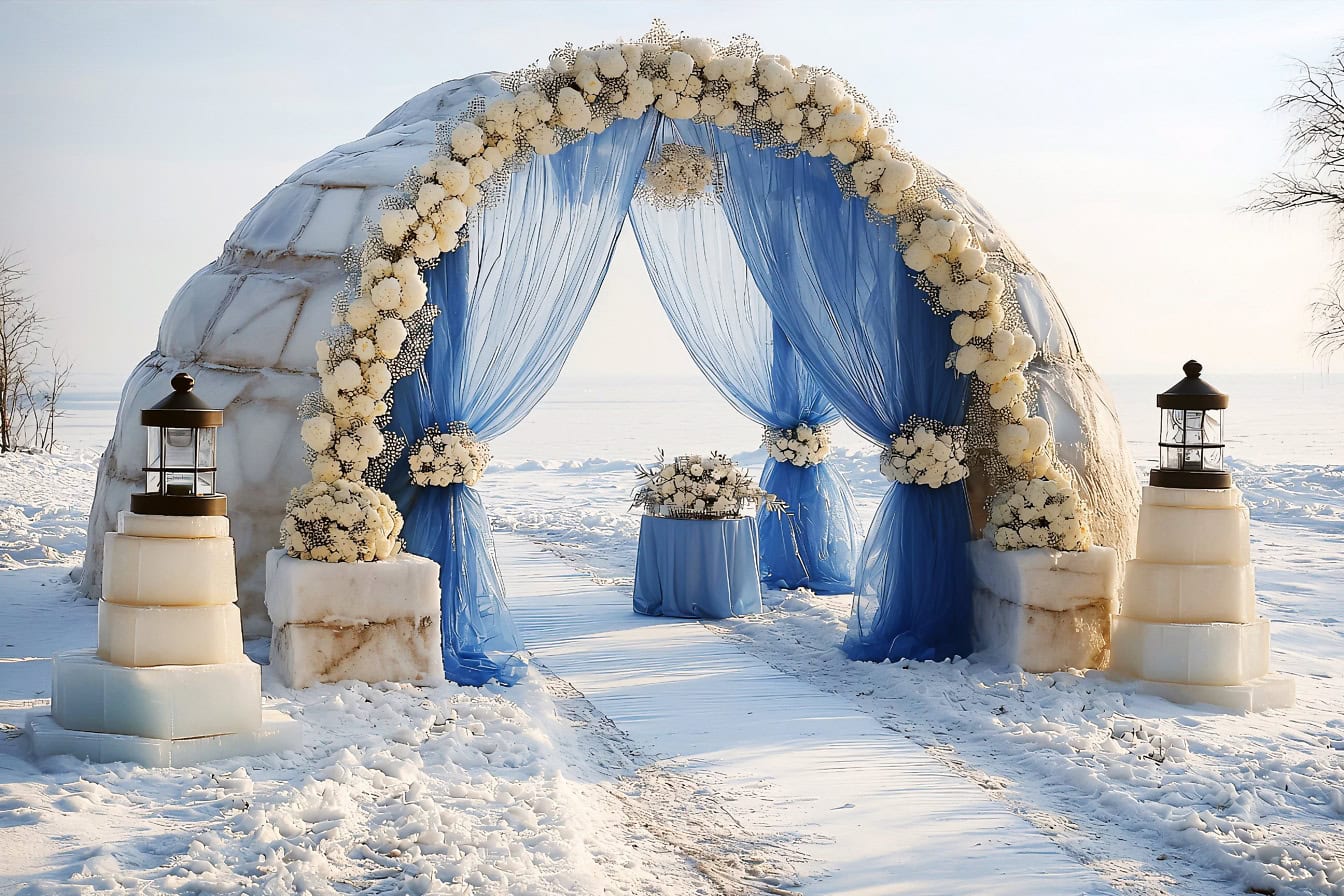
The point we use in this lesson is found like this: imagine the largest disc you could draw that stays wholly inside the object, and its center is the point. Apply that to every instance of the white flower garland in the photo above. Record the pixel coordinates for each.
(1040, 513)
(440, 458)
(925, 452)
(683, 78)
(340, 522)
(698, 486)
(680, 176)
(801, 445)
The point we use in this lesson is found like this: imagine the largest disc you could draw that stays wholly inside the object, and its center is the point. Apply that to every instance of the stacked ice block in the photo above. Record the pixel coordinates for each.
(1187, 626)
(168, 683)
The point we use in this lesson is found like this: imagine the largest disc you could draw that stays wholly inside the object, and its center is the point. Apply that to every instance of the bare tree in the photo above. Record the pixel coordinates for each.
(1315, 176)
(29, 401)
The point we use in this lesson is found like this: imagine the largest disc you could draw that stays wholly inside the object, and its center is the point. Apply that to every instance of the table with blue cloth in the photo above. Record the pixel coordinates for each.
(699, 569)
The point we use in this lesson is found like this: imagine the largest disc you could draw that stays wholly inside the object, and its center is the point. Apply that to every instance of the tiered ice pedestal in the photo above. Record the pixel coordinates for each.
(168, 684)
(1041, 609)
(1187, 628)
(354, 621)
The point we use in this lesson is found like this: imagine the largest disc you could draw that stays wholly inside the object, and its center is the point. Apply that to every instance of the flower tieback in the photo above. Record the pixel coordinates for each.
(679, 177)
(445, 458)
(803, 445)
(926, 452)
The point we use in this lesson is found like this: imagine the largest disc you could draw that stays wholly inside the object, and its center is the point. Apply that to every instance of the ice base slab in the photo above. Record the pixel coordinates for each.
(278, 733)
(1199, 654)
(343, 594)
(1041, 640)
(1270, 692)
(402, 650)
(1046, 579)
(173, 702)
(1170, 592)
(168, 571)
(169, 636)
(147, 525)
(1198, 535)
(1191, 497)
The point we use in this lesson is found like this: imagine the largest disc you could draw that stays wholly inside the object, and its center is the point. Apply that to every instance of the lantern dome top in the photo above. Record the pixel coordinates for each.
(1193, 393)
(183, 408)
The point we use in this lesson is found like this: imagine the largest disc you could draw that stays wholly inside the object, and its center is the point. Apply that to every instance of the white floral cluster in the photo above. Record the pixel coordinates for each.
(685, 78)
(440, 458)
(679, 176)
(801, 445)
(340, 522)
(926, 453)
(709, 486)
(1045, 512)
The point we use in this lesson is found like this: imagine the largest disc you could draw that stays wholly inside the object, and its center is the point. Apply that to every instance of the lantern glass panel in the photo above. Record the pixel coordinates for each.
(206, 447)
(153, 458)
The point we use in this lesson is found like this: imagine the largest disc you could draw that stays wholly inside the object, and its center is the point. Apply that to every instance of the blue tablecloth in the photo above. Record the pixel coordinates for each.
(703, 569)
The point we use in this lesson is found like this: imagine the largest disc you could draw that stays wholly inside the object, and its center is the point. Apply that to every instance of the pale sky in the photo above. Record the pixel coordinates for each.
(1114, 141)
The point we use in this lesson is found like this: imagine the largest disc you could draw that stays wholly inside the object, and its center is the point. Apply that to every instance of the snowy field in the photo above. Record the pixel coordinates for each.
(530, 791)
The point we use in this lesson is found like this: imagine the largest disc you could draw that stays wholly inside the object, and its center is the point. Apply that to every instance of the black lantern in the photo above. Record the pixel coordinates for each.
(1191, 435)
(180, 466)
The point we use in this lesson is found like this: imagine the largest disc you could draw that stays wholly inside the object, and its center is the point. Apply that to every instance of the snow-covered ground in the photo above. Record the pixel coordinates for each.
(530, 790)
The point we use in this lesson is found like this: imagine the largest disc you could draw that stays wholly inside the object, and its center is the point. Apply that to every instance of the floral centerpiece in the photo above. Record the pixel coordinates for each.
(696, 486)
(1039, 513)
(802, 445)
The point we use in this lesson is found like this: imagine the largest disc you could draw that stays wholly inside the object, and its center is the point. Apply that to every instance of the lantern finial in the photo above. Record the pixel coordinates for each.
(1192, 369)
(184, 381)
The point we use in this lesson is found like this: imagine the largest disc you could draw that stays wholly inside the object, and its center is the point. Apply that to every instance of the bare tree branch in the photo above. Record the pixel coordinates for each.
(28, 403)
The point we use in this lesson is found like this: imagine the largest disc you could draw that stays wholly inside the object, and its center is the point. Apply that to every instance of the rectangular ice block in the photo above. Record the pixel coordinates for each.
(1040, 577)
(1203, 535)
(309, 591)
(401, 650)
(168, 571)
(1214, 653)
(1173, 592)
(1270, 692)
(278, 733)
(1191, 497)
(148, 525)
(1041, 640)
(90, 694)
(169, 636)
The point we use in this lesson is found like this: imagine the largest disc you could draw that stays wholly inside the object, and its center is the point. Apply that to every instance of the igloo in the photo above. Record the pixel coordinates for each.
(245, 327)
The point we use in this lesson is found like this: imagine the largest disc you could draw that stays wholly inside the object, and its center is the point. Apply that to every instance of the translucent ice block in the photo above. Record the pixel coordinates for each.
(1206, 535)
(1270, 692)
(1214, 653)
(1191, 497)
(401, 650)
(278, 733)
(1175, 592)
(308, 591)
(169, 636)
(90, 694)
(168, 571)
(162, 526)
(1051, 580)
(1041, 640)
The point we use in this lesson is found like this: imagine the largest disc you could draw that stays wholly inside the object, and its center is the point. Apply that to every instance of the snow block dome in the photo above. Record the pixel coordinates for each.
(246, 324)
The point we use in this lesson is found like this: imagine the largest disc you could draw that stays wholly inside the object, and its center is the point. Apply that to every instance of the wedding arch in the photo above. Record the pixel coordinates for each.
(884, 289)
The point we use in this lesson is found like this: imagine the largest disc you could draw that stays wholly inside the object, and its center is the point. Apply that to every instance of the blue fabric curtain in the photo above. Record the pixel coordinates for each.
(841, 293)
(715, 307)
(511, 303)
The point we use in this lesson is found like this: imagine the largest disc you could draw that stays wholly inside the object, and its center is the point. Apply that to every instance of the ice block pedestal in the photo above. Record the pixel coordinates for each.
(1187, 628)
(362, 621)
(1041, 609)
(168, 684)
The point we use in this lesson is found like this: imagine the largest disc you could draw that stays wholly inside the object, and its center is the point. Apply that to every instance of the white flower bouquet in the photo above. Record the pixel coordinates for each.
(925, 452)
(1039, 513)
(802, 445)
(699, 486)
(440, 458)
(679, 176)
(340, 522)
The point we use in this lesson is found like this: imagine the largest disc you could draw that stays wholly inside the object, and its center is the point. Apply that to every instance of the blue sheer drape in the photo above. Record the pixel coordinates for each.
(840, 291)
(717, 310)
(511, 304)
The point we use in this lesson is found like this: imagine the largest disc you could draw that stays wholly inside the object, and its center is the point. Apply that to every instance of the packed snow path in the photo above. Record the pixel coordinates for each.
(868, 809)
